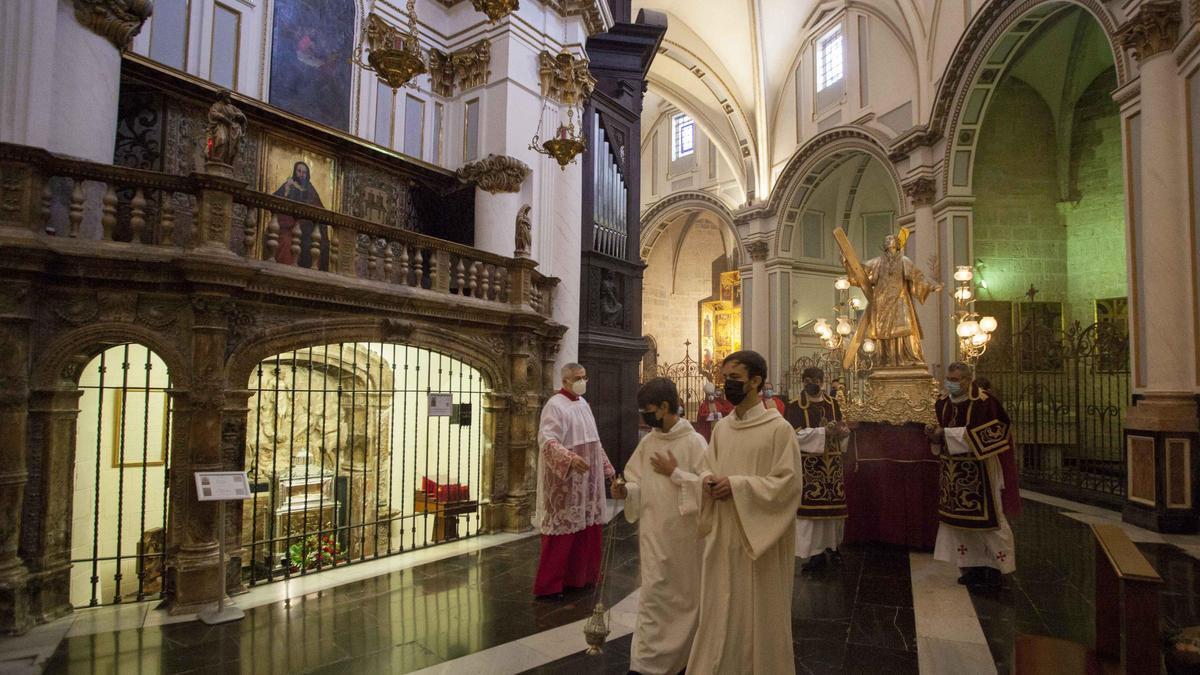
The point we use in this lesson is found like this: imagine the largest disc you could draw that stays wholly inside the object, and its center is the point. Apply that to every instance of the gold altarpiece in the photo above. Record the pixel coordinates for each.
(721, 321)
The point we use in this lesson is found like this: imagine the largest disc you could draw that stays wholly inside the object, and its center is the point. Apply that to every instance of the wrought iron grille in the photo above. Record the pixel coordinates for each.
(1066, 392)
(121, 502)
(357, 451)
(689, 376)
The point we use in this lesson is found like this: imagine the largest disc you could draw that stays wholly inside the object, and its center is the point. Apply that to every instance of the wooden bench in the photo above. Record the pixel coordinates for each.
(1127, 639)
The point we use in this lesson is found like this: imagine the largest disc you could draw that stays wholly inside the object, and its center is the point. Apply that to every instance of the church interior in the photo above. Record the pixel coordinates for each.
(289, 288)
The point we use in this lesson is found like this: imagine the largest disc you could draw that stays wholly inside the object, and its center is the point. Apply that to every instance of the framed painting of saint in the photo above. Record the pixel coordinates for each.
(302, 175)
(311, 73)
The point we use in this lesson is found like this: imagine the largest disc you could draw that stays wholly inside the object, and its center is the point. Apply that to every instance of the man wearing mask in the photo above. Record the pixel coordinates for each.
(669, 550)
(821, 518)
(712, 409)
(769, 398)
(572, 467)
(971, 435)
(748, 493)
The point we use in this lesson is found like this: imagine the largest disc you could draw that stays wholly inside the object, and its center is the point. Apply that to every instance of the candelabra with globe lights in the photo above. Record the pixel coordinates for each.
(838, 336)
(974, 331)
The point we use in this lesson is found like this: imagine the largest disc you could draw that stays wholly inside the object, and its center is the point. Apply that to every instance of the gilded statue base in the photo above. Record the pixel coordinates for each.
(896, 396)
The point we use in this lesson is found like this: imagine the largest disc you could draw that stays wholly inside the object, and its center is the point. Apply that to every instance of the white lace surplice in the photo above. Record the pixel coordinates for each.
(567, 501)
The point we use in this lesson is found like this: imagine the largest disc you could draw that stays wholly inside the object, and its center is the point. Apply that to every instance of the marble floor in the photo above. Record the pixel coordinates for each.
(466, 607)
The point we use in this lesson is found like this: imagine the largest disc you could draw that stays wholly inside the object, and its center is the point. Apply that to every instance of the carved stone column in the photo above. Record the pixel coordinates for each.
(921, 192)
(522, 449)
(760, 302)
(46, 535)
(215, 213)
(14, 400)
(495, 460)
(498, 180)
(193, 559)
(1161, 428)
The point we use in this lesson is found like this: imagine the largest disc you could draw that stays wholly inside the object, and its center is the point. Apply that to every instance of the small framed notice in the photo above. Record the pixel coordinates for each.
(217, 486)
(440, 405)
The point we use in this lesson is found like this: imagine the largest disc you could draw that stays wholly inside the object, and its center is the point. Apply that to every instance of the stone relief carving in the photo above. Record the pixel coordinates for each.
(612, 310)
(465, 68)
(758, 250)
(116, 20)
(524, 239)
(117, 306)
(495, 173)
(565, 79)
(379, 197)
(921, 191)
(1154, 29)
(76, 310)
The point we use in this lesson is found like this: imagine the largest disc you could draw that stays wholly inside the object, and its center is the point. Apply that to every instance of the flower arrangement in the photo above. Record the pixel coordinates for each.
(314, 551)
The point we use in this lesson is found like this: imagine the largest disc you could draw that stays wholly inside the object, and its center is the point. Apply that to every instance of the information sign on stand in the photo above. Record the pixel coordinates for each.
(220, 487)
(440, 405)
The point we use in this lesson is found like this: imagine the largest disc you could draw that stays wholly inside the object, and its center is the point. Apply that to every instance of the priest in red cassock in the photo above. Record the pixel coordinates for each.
(571, 504)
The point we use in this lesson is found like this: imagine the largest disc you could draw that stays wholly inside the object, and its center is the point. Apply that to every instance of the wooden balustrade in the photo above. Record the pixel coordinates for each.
(77, 199)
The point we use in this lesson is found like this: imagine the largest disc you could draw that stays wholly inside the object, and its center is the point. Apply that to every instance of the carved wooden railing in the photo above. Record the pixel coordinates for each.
(75, 199)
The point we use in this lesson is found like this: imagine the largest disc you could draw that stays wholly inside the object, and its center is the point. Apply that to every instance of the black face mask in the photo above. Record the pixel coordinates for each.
(812, 388)
(735, 391)
(650, 420)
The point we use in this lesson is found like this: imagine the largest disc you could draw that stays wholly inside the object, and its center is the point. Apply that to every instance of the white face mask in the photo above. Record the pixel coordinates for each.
(579, 387)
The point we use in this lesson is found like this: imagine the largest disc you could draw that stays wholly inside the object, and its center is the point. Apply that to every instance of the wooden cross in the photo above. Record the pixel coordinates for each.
(858, 277)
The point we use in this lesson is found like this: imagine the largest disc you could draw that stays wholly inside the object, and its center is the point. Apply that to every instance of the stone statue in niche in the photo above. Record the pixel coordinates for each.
(223, 136)
(524, 232)
(611, 309)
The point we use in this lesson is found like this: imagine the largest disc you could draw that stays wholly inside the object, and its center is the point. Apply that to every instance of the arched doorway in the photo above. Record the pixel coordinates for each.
(356, 451)
(121, 499)
(1038, 145)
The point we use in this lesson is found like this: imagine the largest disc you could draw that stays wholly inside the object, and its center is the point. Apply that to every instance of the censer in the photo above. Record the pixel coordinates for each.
(596, 629)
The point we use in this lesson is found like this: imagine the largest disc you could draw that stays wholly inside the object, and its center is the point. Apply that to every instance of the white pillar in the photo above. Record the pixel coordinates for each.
(495, 220)
(923, 243)
(86, 84)
(760, 305)
(27, 51)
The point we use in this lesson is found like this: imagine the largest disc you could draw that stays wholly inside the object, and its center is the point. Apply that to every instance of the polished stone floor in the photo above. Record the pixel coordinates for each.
(472, 612)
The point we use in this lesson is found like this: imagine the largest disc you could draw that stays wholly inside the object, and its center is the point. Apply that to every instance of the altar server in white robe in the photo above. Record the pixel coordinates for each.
(748, 491)
(669, 548)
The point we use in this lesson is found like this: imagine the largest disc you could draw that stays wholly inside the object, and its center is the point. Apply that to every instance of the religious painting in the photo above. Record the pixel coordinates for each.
(720, 331)
(1039, 327)
(311, 73)
(731, 288)
(306, 176)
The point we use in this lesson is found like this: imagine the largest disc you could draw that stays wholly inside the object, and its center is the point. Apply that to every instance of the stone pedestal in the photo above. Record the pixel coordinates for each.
(1161, 438)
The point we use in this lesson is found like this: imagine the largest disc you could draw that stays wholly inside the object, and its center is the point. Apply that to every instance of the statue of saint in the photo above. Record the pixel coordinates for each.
(226, 126)
(891, 282)
(524, 232)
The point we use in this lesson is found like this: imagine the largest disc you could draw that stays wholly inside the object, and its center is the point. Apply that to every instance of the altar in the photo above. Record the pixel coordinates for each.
(891, 486)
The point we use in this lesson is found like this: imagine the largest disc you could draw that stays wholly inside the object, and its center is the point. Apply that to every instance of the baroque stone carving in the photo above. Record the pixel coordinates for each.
(465, 68)
(223, 135)
(77, 309)
(495, 173)
(398, 330)
(524, 238)
(565, 79)
(116, 20)
(758, 250)
(1153, 30)
(897, 397)
(117, 306)
(921, 191)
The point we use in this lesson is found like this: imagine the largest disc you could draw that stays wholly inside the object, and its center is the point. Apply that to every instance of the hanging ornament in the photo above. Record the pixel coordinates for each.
(496, 9)
(568, 142)
(394, 57)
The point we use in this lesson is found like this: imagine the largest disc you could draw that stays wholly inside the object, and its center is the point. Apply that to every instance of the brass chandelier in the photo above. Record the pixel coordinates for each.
(567, 142)
(974, 331)
(394, 56)
(496, 9)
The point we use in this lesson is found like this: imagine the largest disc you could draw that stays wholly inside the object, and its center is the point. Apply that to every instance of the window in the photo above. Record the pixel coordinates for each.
(414, 127)
(683, 133)
(227, 33)
(384, 102)
(169, 33)
(829, 59)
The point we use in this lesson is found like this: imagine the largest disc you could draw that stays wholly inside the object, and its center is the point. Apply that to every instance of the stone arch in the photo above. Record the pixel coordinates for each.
(659, 217)
(61, 362)
(806, 167)
(484, 354)
(979, 63)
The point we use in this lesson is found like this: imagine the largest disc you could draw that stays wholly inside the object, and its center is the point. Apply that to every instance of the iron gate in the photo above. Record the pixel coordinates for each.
(1066, 393)
(121, 503)
(357, 451)
(689, 376)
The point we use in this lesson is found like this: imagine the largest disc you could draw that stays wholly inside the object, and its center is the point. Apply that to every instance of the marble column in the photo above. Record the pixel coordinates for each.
(760, 303)
(1161, 428)
(923, 244)
(62, 72)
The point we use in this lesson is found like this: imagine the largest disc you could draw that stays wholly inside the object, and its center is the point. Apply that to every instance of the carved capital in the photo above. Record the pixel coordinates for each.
(116, 20)
(565, 79)
(466, 68)
(758, 250)
(495, 173)
(1153, 30)
(921, 191)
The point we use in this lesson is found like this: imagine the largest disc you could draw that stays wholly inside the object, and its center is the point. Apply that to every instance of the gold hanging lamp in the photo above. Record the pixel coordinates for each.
(395, 57)
(496, 9)
(568, 142)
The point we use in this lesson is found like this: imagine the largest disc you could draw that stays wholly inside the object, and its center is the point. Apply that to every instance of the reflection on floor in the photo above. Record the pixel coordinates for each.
(854, 618)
